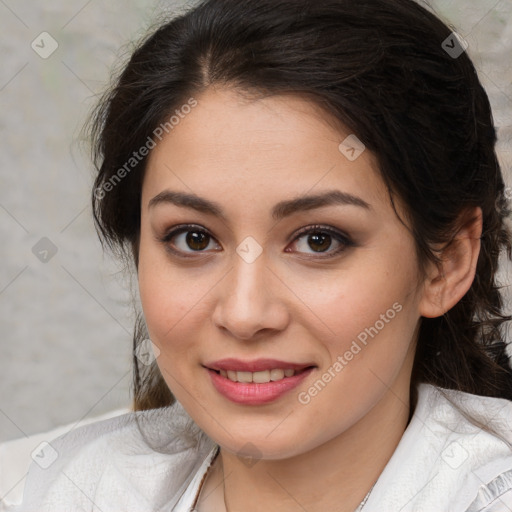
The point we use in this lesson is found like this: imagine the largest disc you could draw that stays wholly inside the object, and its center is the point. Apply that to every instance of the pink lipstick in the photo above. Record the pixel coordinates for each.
(256, 382)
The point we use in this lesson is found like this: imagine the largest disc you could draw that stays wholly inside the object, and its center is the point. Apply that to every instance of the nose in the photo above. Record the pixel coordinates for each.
(250, 303)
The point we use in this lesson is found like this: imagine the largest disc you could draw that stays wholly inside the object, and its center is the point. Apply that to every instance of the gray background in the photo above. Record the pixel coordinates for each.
(65, 324)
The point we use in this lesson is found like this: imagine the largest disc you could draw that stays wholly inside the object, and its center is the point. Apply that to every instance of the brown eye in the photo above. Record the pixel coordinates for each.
(319, 239)
(187, 240)
(319, 242)
(198, 241)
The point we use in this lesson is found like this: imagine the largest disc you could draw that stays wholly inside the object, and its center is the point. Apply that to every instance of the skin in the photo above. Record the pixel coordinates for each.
(291, 303)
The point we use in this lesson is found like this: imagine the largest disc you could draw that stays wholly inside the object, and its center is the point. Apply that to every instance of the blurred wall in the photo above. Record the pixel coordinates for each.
(65, 314)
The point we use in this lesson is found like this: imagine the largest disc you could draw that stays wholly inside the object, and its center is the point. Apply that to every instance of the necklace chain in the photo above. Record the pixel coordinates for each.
(363, 503)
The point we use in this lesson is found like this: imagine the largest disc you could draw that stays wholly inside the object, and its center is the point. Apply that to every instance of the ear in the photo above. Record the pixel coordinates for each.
(449, 281)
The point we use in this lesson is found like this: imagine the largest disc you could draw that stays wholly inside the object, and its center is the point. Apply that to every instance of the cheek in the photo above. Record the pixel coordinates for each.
(175, 301)
(168, 312)
(365, 318)
(162, 304)
(343, 303)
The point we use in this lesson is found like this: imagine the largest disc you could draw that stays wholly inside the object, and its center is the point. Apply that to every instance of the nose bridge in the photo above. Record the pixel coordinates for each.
(250, 266)
(249, 273)
(249, 290)
(249, 302)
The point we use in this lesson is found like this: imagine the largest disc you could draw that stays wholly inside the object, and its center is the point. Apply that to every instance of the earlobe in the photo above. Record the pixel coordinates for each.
(449, 281)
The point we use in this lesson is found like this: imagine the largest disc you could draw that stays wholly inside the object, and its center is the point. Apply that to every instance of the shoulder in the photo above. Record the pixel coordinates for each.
(16, 456)
(456, 454)
(478, 431)
(137, 461)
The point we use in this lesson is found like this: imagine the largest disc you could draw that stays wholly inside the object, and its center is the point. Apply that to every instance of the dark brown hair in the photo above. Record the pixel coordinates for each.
(384, 71)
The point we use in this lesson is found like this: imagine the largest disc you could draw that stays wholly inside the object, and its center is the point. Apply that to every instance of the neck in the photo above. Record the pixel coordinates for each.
(334, 476)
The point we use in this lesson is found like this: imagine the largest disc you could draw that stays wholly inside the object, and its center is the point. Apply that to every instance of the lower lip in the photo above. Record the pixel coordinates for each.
(250, 393)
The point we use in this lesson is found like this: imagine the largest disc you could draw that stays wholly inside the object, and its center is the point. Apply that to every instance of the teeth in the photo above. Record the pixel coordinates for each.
(276, 374)
(258, 377)
(244, 376)
(261, 377)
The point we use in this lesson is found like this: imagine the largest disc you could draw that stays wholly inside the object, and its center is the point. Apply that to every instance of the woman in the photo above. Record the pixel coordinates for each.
(310, 196)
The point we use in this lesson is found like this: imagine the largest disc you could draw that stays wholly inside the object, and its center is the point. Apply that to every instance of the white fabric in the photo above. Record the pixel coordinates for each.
(443, 462)
(189, 498)
(16, 456)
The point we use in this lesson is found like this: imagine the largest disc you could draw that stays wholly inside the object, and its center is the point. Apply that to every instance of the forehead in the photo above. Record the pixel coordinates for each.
(277, 146)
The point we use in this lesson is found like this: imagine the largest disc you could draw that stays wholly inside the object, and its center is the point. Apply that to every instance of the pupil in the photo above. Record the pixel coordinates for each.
(197, 240)
(320, 239)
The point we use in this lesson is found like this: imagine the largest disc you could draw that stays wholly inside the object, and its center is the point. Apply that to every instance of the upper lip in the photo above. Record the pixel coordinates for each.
(256, 365)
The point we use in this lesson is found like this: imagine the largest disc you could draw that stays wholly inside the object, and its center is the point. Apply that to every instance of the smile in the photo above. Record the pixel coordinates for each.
(259, 377)
(256, 382)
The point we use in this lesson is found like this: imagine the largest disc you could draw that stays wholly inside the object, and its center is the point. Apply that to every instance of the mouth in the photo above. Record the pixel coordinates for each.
(261, 377)
(256, 382)
(257, 370)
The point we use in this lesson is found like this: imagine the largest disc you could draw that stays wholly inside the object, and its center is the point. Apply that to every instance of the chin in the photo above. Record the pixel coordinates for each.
(258, 445)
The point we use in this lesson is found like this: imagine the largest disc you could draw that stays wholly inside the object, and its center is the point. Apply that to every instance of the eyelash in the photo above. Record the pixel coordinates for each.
(343, 239)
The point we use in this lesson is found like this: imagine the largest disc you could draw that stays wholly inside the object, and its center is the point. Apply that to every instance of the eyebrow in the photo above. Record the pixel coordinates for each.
(279, 211)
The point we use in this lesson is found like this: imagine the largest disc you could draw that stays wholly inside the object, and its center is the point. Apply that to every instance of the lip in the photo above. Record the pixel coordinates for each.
(253, 393)
(256, 365)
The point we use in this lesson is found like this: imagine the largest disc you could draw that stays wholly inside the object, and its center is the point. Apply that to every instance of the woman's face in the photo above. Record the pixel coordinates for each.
(295, 255)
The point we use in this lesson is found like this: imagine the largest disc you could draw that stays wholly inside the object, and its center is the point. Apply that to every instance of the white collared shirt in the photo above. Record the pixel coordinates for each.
(443, 463)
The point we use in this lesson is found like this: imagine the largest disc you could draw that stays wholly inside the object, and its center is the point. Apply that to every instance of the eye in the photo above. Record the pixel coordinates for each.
(321, 239)
(187, 239)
